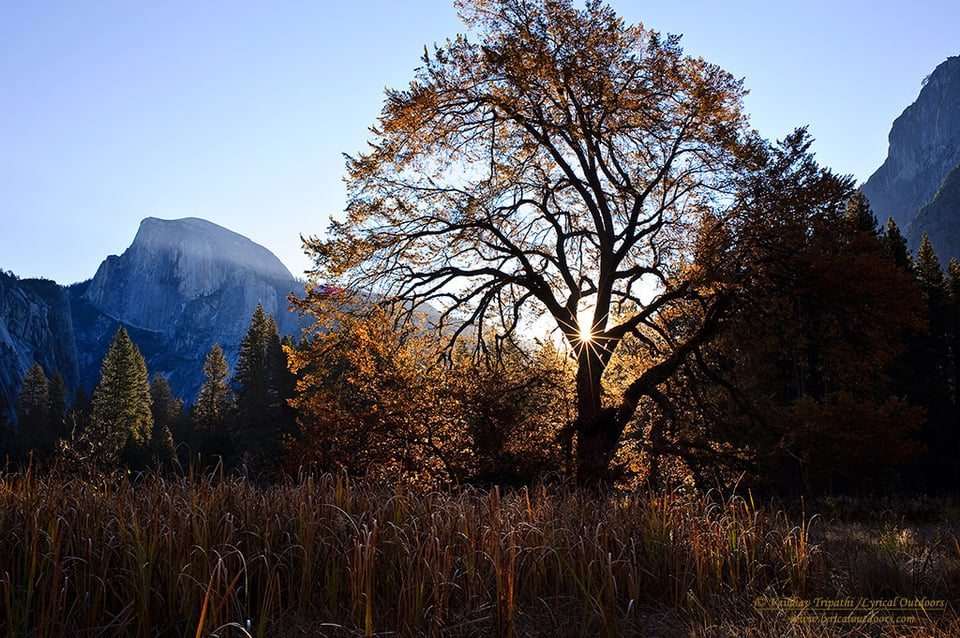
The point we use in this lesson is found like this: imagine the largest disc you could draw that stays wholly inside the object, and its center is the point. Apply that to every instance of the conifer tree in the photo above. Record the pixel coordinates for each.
(953, 282)
(860, 216)
(933, 285)
(213, 407)
(251, 377)
(929, 371)
(58, 405)
(167, 411)
(929, 271)
(262, 388)
(33, 412)
(953, 338)
(799, 378)
(121, 423)
(895, 245)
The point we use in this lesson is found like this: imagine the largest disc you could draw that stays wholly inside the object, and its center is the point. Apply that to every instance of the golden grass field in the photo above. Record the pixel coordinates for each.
(214, 555)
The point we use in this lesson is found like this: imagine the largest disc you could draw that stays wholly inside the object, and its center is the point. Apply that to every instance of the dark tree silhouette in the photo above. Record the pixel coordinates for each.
(262, 384)
(213, 408)
(557, 167)
(33, 412)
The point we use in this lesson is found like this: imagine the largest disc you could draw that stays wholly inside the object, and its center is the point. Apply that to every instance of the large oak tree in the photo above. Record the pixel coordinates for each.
(554, 168)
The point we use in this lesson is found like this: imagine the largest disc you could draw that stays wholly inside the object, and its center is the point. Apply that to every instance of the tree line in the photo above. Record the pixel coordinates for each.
(723, 309)
(133, 421)
(838, 372)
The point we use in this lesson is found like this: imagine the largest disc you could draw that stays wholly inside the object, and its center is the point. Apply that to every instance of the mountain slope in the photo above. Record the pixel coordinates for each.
(35, 326)
(172, 262)
(940, 218)
(924, 148)
(182, 286)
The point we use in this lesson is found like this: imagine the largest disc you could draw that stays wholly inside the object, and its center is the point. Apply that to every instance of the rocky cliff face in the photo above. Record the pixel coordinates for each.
(182, 286)
(173, 263)
(35, 326)
(940, 218)
(924, 149)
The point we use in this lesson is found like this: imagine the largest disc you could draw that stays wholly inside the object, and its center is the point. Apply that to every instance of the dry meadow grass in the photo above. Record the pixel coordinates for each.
(325, 556)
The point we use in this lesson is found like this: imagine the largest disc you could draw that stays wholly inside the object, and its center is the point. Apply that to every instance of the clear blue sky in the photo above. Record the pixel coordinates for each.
(239, 112)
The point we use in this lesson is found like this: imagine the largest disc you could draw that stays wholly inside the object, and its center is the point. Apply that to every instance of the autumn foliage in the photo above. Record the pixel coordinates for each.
(565, 252)
(379, 401)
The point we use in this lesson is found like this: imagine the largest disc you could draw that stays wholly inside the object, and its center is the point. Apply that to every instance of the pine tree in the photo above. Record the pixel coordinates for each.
(213, 407)
(929, 272)
(58, 405)
(168, 417)
(33, 412)
(797, 387)
(251, 378)
(933, 285)
(262, 387)
(860, 216)
(895, 245)
(953, 283)
(121, 423)
(930, 370)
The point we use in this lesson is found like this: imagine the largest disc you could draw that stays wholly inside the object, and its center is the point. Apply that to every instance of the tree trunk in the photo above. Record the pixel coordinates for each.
(598, 436)
(598, 432)
(598, 429)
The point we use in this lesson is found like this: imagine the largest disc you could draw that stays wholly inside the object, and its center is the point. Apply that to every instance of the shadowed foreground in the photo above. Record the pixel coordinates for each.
(208, 556)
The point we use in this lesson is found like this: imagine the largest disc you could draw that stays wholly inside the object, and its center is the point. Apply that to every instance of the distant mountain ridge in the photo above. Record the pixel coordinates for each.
(175, 262)
(180, 287)
(918, 185)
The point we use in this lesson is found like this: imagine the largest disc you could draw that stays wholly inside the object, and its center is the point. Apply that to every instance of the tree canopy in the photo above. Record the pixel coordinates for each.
(557, 167)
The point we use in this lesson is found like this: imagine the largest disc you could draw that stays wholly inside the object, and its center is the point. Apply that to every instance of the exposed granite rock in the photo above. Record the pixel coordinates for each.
(173, 263)
(35, 326)
(924, 149)
(182, 286)
(940, 219)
